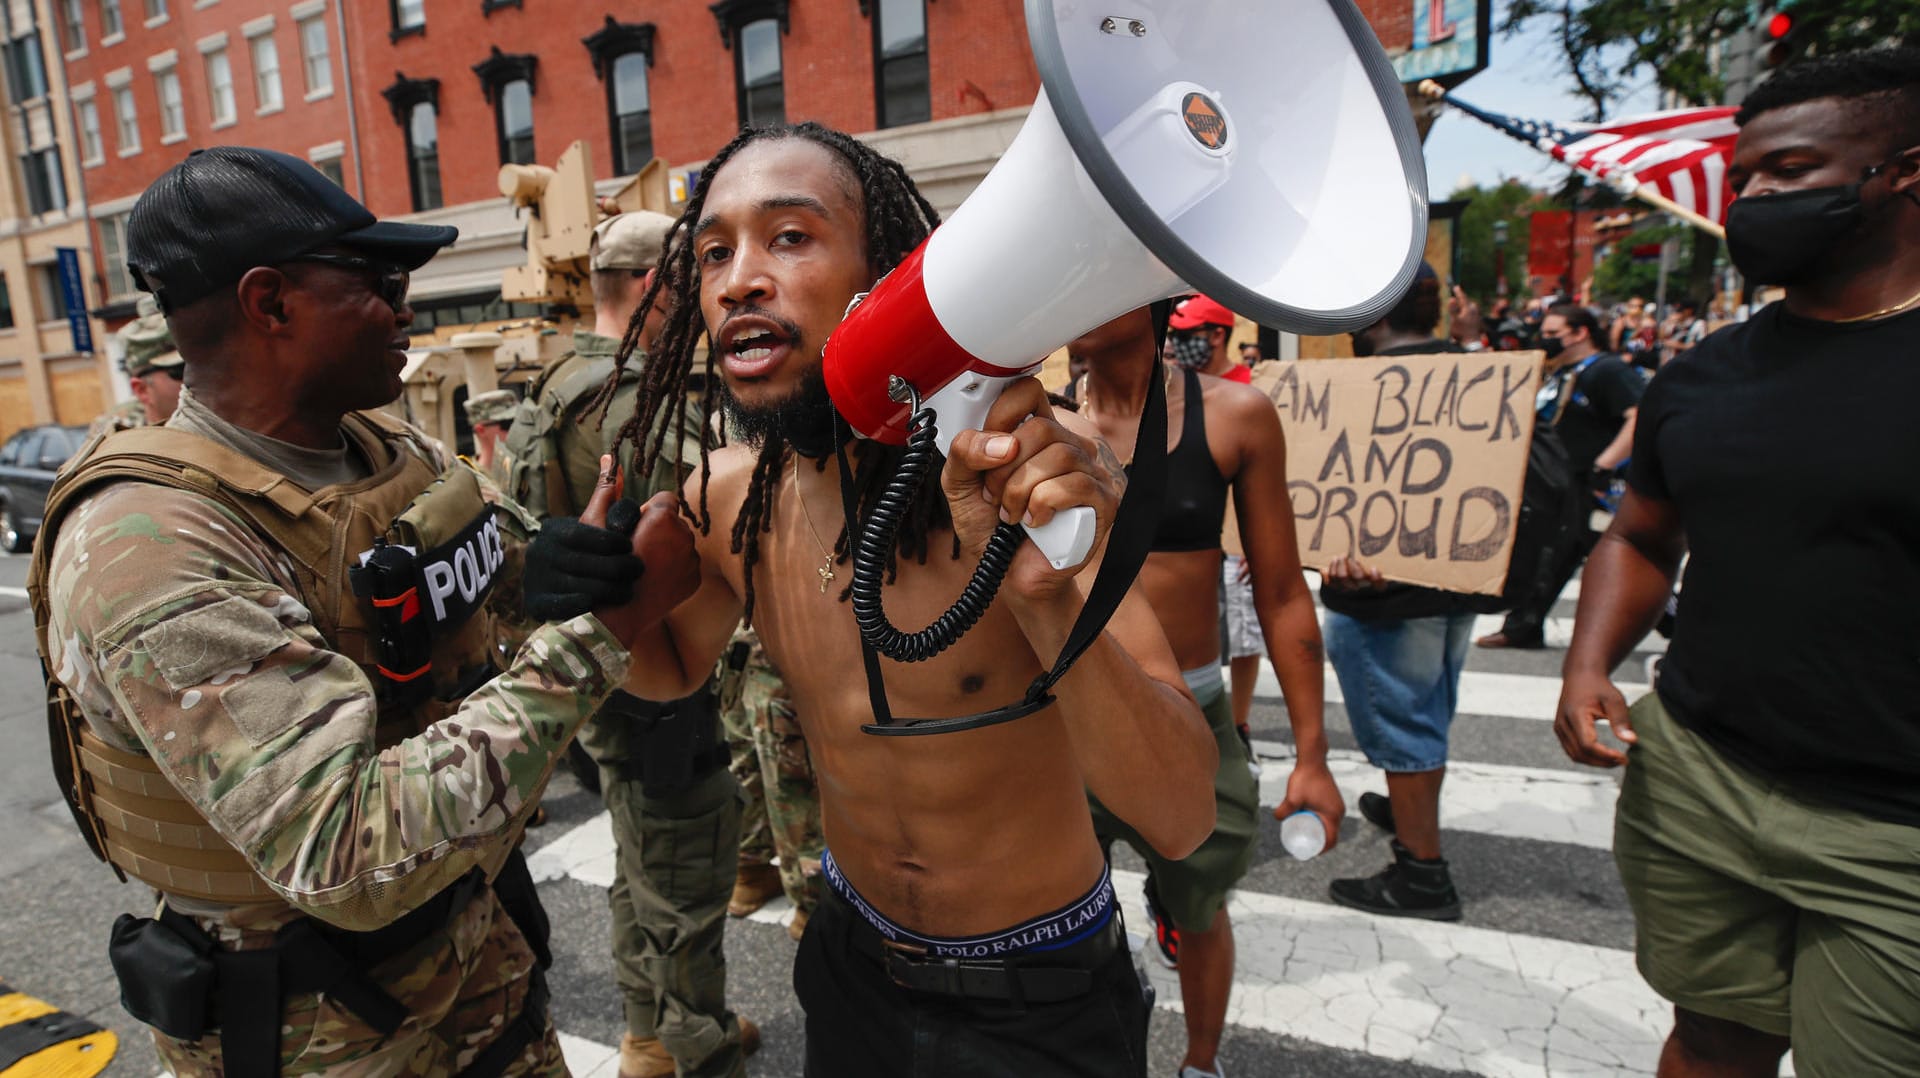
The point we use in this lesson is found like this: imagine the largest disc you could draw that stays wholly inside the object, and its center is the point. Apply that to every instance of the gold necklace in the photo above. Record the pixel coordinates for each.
(826, 552)
(1086, 401)
(1884, 311)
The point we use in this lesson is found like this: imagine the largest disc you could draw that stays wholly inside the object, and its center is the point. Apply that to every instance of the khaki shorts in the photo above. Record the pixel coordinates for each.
(1755, 905)
(1193, 889)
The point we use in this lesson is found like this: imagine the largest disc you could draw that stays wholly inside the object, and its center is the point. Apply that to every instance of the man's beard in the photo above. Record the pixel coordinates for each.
(802, 419)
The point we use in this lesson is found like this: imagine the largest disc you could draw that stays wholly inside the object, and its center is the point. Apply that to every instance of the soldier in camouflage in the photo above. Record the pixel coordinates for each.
(675, 822)
(332, 829)
(782, 814)
(153, 368)
(490, 414)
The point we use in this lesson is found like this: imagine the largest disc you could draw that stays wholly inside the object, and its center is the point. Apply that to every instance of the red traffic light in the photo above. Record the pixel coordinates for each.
(1779, 26)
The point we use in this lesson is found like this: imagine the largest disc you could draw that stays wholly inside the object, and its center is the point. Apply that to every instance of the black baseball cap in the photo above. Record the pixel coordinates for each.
(227, 209)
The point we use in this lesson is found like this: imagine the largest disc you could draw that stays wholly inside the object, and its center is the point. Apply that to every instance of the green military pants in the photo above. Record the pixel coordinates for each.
(674, 865)
(769, 752)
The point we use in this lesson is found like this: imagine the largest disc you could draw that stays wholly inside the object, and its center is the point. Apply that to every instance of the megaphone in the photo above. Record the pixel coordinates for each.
(1259, 151)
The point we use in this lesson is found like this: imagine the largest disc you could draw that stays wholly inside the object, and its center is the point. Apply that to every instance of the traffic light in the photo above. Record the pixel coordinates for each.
(1781, 32)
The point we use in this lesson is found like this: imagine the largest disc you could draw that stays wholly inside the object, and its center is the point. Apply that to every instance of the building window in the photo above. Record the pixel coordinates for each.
(752, 29)
(314, 58)
(622, 53)
(330, 168)
(53, 298)
(113, 256)
(409, 17)
(901, 83)
(6, 303)
(46, 184)
(111, 28)
(26, 68)
(92, 147)
(506, 81)
(125, 122)
(73, 25)
(266, 72)
(416, 108)
(173, 114)
(156, 11)
(220, 87)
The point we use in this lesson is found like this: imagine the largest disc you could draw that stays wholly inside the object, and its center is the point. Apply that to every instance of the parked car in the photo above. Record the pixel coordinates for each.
(28, 463)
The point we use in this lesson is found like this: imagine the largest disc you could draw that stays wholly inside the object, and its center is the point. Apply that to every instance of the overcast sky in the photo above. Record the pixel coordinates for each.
(1523, 79)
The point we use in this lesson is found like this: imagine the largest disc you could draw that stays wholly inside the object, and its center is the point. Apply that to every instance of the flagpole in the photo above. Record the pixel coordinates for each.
(1644, 192)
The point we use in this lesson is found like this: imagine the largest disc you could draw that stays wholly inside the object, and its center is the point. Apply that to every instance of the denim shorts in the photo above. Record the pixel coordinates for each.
(1401, 680)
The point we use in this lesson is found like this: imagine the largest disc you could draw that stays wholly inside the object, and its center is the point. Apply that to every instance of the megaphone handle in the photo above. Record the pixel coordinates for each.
(963, 404)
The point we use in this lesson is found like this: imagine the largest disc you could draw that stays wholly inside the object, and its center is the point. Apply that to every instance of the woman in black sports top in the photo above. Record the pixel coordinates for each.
(1222, 437)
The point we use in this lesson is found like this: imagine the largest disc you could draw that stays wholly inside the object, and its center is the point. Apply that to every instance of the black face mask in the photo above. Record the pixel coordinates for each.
(1553, 346)
(1192, 350)
(1779, 239)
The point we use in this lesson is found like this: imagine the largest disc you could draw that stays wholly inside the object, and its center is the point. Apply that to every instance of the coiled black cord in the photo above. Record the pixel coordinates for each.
(876, 539)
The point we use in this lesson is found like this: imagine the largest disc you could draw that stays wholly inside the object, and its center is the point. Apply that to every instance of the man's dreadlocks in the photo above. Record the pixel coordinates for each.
(898, 219)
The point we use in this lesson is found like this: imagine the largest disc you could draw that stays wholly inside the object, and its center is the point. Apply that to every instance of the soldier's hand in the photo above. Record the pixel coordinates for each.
(664, 544)
(574, 566)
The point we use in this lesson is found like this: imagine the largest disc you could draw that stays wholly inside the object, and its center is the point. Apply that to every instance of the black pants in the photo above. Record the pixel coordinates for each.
(1575, 539)
(861, 1023)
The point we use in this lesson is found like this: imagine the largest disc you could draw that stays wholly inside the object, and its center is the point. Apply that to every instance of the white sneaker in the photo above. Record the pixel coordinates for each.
(1195, 1072)
(1653, 668)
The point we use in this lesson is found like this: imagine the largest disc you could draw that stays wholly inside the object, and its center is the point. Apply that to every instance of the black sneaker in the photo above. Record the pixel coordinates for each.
(1166, 938)
(1409, 887)
(1377, 809)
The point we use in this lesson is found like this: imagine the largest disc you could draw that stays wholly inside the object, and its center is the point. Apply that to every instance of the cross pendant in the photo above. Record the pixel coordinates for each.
(826, 576)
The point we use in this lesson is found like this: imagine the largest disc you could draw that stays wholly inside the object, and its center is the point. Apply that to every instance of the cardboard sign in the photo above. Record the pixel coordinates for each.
(1413, 463)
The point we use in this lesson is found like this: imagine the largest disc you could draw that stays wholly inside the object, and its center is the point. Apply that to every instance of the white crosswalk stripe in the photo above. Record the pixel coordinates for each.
(1507, 696)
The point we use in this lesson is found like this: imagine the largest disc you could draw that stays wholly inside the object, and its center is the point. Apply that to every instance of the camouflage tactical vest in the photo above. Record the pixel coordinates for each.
(129, 813)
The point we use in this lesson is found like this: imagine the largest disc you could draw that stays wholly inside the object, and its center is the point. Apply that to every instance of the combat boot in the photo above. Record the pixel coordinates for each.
(754, 887)
(1410, 887)
(644, 1057)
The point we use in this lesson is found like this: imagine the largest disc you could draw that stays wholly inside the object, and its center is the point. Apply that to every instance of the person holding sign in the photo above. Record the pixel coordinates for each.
(1398, 650)
(1222, 438)
(1768, 827)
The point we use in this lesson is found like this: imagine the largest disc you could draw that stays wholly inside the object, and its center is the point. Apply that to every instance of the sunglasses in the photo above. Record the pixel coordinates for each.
(390, 282)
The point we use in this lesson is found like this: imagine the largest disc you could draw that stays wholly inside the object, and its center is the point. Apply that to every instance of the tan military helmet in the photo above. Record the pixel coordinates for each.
(149, 343)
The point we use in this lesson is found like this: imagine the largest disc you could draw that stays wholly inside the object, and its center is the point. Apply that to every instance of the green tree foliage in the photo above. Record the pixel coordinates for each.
(1606, 43)
(1619, 275)
(1512, 202)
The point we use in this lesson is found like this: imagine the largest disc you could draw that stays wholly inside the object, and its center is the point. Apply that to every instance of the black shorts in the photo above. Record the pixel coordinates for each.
(861, 1022)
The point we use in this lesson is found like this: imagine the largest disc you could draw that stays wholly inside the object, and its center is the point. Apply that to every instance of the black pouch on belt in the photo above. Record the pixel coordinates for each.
(390, 580)
(165, 976)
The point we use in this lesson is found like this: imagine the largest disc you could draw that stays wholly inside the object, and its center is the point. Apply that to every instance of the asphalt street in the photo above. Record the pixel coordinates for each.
(1537, 979)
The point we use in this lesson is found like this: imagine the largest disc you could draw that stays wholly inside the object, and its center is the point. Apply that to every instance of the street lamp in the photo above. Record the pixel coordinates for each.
(1500, 258)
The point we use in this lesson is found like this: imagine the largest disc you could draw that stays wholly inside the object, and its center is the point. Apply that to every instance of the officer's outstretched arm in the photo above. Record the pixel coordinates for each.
(180, 634)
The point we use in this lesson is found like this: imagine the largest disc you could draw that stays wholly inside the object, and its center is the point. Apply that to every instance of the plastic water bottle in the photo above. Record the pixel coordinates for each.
(1303, 835)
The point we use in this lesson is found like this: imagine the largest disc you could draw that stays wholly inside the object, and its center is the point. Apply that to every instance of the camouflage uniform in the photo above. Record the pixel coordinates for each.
(147, 345)
(498, 408)
(673, 862)
(770, 761)
(183, 634)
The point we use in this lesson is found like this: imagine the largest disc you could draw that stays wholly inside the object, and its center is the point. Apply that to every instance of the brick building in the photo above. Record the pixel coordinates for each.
(152, 79)
(44, 378)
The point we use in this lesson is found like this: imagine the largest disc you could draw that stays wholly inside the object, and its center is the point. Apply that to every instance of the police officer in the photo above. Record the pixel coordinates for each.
(154, 372)
(489, 414)
(663, 768)
(308, 753)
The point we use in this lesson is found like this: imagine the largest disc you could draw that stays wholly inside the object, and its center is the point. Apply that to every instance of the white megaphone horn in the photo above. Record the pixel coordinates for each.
(1258, 151)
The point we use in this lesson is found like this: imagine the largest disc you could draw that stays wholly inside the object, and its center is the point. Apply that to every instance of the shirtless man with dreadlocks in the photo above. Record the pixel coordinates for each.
(971, 927)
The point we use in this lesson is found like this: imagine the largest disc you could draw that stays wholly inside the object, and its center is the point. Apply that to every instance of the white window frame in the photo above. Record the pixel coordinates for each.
(259, 34)
(156, 20)
(215, 59)
(119, 84)
(112, 267)
(120, 16)
(165, 75)
(307, 14)
(85, 105)
(334, 152)
(64, 13)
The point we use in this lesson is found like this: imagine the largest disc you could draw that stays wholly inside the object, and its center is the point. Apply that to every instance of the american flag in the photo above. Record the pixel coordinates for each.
(1680, 153)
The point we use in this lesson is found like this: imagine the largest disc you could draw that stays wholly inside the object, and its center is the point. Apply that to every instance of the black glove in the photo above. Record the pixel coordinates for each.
(574, 567)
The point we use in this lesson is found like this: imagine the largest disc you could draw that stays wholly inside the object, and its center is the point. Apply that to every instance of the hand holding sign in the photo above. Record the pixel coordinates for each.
(1407, 468)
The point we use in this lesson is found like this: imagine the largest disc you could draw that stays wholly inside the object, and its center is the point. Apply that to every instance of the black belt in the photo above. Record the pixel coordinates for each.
(1026, 977)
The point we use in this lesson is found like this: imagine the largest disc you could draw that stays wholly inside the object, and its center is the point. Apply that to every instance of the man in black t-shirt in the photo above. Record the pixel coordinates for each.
(1768, 828)
(1588, 397)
